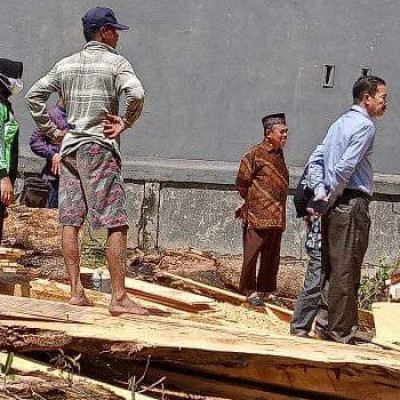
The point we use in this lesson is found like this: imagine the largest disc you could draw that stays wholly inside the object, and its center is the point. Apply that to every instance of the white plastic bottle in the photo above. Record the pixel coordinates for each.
(96, 279)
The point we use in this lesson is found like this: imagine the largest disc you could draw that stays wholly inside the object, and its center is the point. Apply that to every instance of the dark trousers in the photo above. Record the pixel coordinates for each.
(307, 303)
(345, 231)
(266, 244)
(2, 215)
(52, 200)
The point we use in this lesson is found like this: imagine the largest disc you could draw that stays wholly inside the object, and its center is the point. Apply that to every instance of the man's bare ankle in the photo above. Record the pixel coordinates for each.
(119, 298)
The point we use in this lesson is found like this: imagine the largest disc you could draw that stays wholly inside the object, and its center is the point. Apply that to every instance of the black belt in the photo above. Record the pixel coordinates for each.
(349, 194)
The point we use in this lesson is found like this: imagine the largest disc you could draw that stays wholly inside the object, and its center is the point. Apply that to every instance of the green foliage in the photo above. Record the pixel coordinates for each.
(6, 368)
(373, 289)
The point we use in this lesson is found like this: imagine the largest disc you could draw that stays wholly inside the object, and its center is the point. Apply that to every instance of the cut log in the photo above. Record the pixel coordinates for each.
(290, 363)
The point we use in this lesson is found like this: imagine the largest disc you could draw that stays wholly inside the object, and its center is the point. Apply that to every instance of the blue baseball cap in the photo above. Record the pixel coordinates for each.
(97, 17)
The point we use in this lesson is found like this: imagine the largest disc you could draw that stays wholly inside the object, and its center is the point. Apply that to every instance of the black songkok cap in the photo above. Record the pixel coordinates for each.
(273, 119)
(10, 68)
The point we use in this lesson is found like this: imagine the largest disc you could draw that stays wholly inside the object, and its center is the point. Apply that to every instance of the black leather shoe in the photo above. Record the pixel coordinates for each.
(256, 301)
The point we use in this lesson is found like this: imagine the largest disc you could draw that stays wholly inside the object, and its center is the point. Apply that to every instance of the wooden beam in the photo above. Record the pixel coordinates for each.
(55, 291)
(164, 295)
(227, 296)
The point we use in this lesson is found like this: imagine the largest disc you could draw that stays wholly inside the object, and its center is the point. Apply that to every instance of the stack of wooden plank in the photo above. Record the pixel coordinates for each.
(194, 332)
(166, 296)
(8, 260)
(225, 353)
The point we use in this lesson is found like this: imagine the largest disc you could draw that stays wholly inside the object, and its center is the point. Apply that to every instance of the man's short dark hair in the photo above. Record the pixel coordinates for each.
(89, 36)
(366, 85)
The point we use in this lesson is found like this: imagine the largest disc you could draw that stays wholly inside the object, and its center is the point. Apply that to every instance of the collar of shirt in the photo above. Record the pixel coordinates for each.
(270, 149)
(94, 45)
(362, 110)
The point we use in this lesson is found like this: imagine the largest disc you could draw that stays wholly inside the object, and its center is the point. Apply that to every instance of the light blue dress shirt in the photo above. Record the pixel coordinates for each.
(342, 160)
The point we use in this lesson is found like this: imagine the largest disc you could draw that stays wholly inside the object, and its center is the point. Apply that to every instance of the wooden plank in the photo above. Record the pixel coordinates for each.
(385, 345)
(11, 251)
(155, 290)
(28, 366)
(365, 317)
(55, 291)
(228, 296)
(351, 372)
(214, 292)
(50, 310)
(387, 322)
(164, 295)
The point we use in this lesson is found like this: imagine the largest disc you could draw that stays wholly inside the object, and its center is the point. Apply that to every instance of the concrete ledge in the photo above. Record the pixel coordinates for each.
(179, 203)
(200, 172)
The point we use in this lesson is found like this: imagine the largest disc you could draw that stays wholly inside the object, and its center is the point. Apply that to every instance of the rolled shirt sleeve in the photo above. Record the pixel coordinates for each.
(128, 83)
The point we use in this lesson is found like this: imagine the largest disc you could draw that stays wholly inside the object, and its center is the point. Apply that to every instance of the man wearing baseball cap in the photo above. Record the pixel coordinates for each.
(91, 185)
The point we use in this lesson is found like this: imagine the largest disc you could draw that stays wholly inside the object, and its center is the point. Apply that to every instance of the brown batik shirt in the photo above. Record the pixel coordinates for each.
(262, 182)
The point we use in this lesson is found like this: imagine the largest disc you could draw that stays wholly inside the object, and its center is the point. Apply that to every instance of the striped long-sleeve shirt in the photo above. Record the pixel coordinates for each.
(91, 83)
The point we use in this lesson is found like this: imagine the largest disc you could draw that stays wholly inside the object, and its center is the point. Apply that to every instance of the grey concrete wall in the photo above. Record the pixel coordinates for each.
(212, 69)
(205, 219)
(197, 210)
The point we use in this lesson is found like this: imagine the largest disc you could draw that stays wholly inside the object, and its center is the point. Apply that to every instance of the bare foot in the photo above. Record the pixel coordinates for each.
(80, 300)
(126, 306)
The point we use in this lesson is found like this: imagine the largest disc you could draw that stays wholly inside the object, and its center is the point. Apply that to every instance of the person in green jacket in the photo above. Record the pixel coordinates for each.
(10, 84)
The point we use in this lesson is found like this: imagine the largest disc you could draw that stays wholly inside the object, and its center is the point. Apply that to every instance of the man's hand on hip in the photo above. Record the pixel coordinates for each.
(113, 126)
(56, 164)
(7, 191)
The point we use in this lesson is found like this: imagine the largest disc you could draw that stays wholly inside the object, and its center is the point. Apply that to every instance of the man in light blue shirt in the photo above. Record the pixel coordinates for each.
(341, 175)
